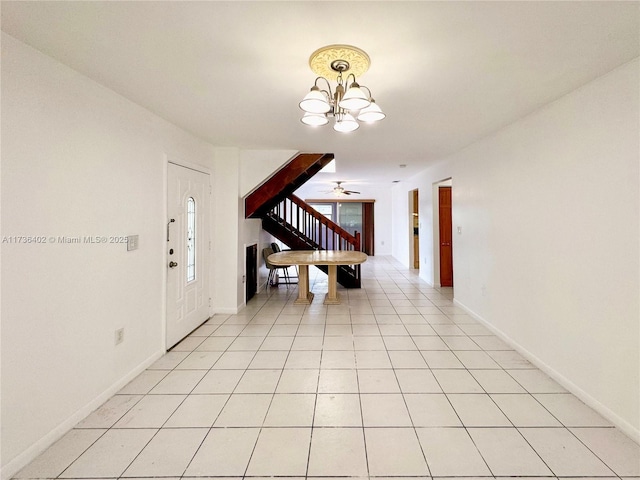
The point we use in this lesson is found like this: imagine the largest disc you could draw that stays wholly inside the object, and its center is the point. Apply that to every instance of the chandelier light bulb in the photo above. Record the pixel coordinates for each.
(315, 102)
(354, 98)
(346, 124)
(372, 113)
(314, 119)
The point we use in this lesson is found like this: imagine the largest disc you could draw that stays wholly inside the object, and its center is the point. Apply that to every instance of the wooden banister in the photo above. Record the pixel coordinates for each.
(352, 239)
(305, 221)
(284, 182)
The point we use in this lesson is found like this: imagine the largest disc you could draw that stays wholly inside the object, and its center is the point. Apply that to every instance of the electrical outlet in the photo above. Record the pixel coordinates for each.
(119, 337)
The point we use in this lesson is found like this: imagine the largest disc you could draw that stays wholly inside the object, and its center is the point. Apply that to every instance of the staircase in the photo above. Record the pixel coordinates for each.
(284, 182)
(301, 227)
(294, 222)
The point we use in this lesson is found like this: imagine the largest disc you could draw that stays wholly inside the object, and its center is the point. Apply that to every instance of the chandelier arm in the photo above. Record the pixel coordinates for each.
(328, 85)
(367, 89)
(346, 83)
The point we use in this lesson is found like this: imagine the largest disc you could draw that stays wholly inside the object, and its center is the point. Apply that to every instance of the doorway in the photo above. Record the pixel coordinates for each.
(445, 236)
(187, 251)
(251, 273)
(415, 227)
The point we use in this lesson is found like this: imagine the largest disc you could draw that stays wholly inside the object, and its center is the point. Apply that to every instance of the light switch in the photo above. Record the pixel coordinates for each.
(459, 230)
(132, 242)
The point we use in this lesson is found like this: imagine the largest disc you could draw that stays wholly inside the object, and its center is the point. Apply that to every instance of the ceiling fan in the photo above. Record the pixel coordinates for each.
(339, 190)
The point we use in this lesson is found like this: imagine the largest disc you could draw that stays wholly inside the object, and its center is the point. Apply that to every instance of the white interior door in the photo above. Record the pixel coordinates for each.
(187, 252)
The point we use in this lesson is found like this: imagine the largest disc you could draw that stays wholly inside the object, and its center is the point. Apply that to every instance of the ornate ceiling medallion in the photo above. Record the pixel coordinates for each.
(326, 61)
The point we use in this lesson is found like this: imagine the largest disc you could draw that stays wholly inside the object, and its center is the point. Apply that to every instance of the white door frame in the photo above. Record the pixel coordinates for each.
(412, 207)
(165, 249)
(435, 204)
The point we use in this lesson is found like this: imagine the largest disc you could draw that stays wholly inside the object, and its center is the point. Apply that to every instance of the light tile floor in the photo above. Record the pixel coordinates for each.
(395, 382)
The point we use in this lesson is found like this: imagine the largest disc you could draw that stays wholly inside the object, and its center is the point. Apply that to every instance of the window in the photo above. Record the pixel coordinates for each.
(351, 215)
(346, 214)
(191, 239)
(325, 209)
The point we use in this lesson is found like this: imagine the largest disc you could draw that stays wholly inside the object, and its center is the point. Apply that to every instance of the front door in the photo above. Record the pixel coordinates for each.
(187, 252)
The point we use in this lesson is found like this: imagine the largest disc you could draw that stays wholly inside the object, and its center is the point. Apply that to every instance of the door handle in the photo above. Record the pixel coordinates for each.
(173, 264)
(171, 220)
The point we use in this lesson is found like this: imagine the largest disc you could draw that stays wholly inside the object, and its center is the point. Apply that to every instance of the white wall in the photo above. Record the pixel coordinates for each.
(548, 254)
(258, 165)
(238, 172)
(227, 214)
(77, 160)
(382, 215)
(427, 207)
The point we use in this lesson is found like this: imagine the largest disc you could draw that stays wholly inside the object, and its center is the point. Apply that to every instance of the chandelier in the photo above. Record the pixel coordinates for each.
(347, 103)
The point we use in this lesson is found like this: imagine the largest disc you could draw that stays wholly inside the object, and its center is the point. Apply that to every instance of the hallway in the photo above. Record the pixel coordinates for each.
(395, 382)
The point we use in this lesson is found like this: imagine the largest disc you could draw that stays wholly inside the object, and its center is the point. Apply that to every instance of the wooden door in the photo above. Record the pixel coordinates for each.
(368, 239)
(446, 248)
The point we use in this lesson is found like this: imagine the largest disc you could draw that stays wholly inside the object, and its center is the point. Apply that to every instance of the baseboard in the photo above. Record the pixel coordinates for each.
(598, 406)
(26, 457)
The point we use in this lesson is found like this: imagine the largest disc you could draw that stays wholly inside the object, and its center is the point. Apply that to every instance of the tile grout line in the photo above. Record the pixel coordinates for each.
(393, 283)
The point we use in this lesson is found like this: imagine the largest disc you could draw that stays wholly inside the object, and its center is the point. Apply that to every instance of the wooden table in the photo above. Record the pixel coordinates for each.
(304, 258)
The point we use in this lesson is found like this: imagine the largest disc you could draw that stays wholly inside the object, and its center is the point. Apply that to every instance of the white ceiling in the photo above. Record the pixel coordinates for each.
(233, 73)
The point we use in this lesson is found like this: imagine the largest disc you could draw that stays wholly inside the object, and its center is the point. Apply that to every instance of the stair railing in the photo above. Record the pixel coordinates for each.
(305, 221)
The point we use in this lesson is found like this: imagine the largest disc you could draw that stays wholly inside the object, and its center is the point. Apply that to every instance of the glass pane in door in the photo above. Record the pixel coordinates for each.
(191, 239)
(350, 216)
(325, 209)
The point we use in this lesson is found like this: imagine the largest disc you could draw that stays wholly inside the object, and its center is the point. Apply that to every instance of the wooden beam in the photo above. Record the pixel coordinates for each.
(284, 182)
